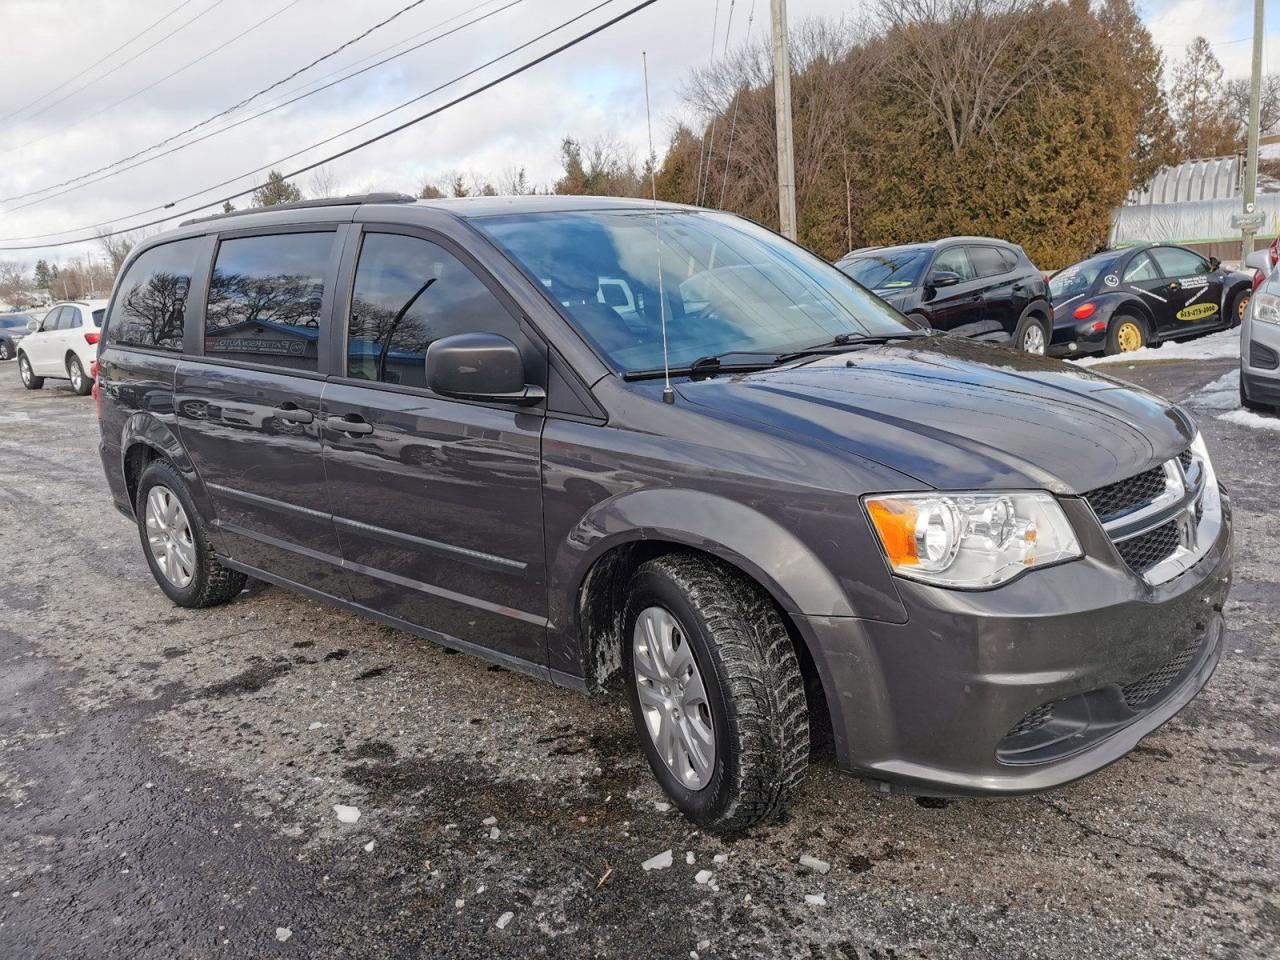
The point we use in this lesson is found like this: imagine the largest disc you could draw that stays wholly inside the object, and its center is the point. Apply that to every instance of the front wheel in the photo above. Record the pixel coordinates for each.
(27, 375)
(80, 381)
(176, 544)
(6, 352)
(716, 691)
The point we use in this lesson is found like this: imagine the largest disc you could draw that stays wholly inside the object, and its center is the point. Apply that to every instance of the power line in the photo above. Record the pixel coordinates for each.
(97, 62)
(155, 83)
(243, 120)
(364, 143)
(119, 66)
(272, 86)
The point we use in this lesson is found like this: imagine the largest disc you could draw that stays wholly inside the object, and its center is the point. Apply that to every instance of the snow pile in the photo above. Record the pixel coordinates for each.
(1224, 394)
(1247, 418)
(1223, 345)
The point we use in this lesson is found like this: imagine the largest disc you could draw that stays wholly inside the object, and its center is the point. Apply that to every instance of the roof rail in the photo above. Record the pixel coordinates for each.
(352, 200)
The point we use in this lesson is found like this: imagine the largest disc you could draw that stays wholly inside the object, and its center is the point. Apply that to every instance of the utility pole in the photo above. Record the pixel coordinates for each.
(1249, 223)
(782, 110)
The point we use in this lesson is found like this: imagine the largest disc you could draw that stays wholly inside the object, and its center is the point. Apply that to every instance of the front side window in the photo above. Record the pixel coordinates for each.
(887, 270)
(409, 292)
(725, 286)
(264, 299)
(1176, 262)
(954, 260)
(1140, 268)
(150, 307)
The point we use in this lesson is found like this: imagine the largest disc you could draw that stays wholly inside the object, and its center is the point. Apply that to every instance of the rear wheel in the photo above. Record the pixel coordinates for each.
(1240, 306)
(1126, 334)
(716, 691)
(25, 374)
(177, 545)
(80, 381)
(1032, 335)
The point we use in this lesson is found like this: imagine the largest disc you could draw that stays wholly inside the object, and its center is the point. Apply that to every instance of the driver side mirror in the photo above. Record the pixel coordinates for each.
(1214, 264)
(1258, 260)
(33, 325)
(479, 366)
(944, 278)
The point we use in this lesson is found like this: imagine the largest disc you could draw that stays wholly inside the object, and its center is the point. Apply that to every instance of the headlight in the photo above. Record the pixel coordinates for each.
(971, 539)
(1200, 453)
(1266, 307)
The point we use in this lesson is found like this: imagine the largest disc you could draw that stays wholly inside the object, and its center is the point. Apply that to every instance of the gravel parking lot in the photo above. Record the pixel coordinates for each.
(168, 781)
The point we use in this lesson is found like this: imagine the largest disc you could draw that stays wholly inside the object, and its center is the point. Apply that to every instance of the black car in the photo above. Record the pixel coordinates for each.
(13, 327)
(966, 286)
(1122, 300)
(592, 440)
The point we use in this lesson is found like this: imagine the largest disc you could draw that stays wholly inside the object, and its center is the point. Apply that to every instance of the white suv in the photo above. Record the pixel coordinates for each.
(63, 345)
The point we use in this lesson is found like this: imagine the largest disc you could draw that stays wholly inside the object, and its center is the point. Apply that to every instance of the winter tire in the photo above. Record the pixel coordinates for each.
(1031, 336)
(1125, 334)
(80, 381)
(176, 544)
(716, 691)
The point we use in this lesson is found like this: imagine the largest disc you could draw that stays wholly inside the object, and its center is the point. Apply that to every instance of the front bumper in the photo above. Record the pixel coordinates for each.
(948, 702)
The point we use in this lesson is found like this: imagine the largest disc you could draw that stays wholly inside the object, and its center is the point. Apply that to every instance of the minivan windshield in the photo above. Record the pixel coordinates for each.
(729, 286)
(888, 269)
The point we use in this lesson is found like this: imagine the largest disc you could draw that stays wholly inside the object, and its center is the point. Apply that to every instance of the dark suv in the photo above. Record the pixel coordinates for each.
(977, 572)
(966, 286)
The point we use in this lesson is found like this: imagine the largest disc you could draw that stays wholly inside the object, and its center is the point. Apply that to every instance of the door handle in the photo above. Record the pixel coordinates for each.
(290, 413)
(352, 424)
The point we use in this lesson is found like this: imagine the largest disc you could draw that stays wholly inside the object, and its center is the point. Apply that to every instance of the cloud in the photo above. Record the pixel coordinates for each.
(594, 89)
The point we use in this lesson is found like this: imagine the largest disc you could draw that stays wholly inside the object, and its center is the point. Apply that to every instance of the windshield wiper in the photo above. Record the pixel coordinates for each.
(710, 366)
(840, 340)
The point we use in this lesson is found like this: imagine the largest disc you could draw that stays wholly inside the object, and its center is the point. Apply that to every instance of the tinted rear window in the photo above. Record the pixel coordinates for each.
(264, 299)
(987, 261)
(151, 305)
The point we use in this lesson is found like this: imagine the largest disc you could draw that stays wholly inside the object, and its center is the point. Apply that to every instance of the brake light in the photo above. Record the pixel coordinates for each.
(1084, 311)
(90, 338)
(97, 396)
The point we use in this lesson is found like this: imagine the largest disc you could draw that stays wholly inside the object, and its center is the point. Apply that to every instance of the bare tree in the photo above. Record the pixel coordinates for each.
(968, 61)
(323, 183)
(16, 286)
(117, 248)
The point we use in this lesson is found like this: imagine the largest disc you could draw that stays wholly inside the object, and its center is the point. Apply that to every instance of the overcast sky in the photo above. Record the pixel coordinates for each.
(593, 90)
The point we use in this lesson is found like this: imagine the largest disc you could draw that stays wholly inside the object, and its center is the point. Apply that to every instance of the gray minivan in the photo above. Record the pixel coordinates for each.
(661, 449)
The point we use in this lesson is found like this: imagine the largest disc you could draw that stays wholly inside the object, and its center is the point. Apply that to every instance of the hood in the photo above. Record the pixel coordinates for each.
(955, 414)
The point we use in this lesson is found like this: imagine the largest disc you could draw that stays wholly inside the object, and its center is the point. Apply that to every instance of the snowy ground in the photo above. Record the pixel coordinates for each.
(1216, 346)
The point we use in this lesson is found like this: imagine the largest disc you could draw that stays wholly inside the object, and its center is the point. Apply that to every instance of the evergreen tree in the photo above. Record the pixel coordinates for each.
(276, 190)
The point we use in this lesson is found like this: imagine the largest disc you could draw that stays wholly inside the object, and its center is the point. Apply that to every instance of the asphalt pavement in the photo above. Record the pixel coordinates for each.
(168, 781)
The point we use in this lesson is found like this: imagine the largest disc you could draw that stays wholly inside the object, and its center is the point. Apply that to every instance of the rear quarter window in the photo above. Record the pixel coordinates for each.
(150, 308)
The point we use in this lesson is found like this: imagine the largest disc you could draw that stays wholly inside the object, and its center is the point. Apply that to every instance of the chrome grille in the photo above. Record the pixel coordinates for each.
(1154, 518)
(1125, 496)
(1144, 551)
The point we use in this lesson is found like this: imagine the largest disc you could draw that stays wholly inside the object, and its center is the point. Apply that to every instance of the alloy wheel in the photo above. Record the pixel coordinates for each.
(4, 351)
(169, 536)
(77, 375)
(24, 370)
(673, 698)
(1033, 339)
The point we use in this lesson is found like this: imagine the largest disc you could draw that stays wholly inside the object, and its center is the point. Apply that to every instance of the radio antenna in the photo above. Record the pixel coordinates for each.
(668, 395)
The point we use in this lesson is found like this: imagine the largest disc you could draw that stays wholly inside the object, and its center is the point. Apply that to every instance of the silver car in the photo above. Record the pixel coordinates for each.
(1260, 342)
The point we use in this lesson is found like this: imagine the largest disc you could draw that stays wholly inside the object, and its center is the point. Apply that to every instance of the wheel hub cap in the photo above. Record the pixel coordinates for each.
(673, 699)
(169, 536)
